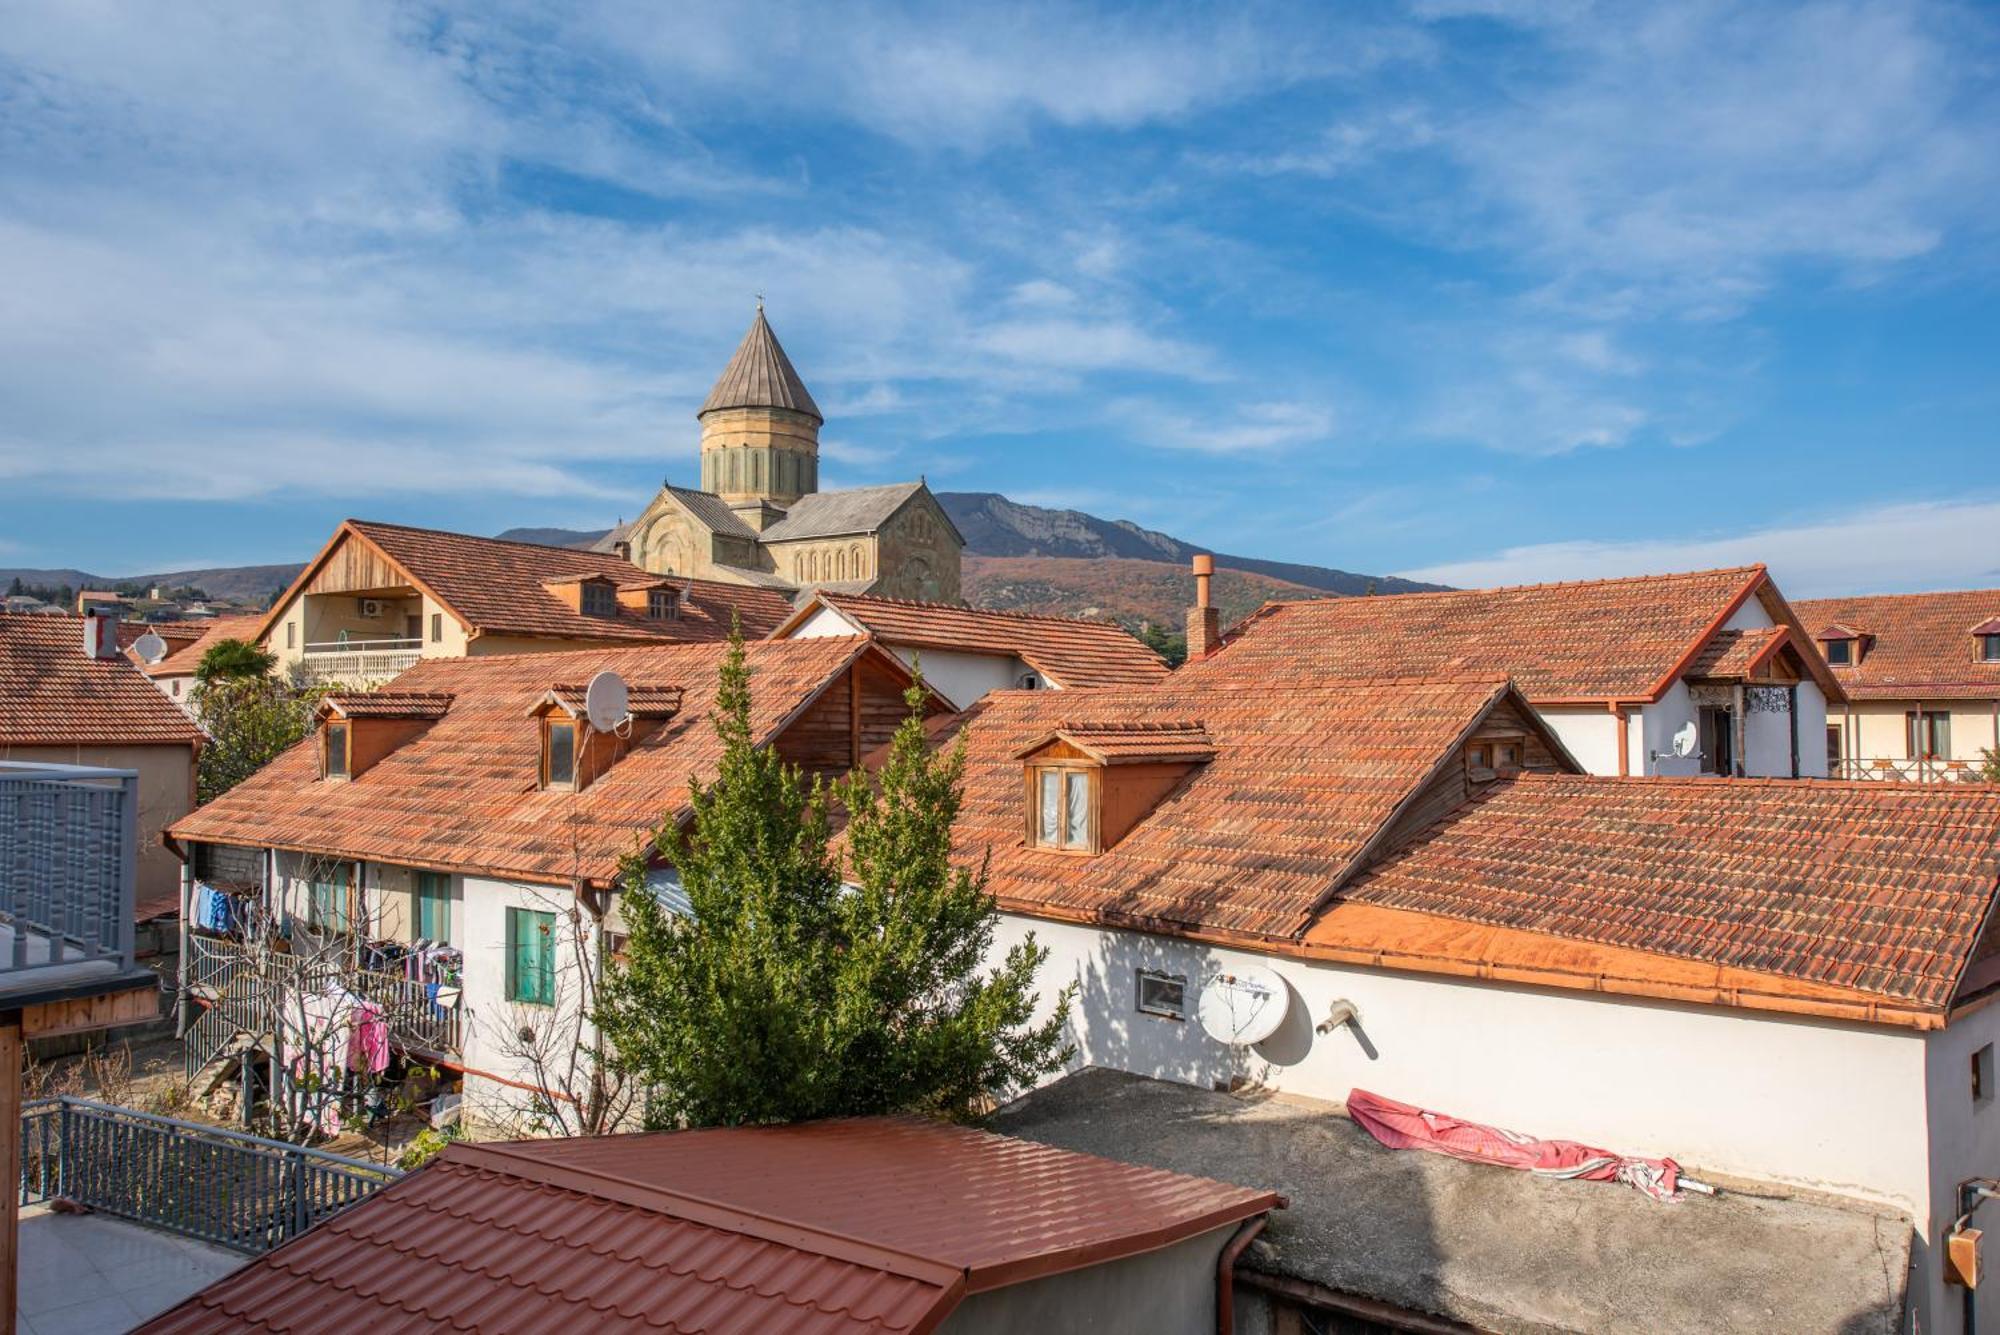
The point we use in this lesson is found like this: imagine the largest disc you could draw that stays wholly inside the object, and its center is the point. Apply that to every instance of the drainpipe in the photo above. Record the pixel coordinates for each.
(1225, 1274)
(1739, 763)
(1624, 727)
(184, 1003)
(1792, 713)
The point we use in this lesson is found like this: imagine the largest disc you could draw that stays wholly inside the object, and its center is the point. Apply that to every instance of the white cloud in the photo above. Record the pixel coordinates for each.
(1081, 345)
(1248, 428)
(1895, 548)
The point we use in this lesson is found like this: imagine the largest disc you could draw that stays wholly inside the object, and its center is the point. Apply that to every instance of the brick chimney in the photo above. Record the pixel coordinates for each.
(100, 633)
(1204, 623)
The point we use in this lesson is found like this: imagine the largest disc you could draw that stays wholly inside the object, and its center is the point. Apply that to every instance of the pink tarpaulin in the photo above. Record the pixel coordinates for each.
(1402, 1126)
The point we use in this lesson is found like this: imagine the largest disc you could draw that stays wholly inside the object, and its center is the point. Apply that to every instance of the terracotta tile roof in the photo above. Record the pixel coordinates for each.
(466, 794)
(1303, 779)
(1876, 886)
(1920, 644)
(641, 701)
(52, 694)
(1733, 654)
(1622, 639)
(184, 657)
(1122, 743)
(864, 1225)
(389, 704)
(1073, 652)
(498, 587)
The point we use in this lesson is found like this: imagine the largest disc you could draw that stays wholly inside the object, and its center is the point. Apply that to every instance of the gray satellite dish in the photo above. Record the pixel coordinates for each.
(1687, 741)
(150, 647)
(606, 701)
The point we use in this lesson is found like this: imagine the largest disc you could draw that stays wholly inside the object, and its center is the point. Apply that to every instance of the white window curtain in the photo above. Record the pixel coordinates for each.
(1051, 808)
(1076, 831)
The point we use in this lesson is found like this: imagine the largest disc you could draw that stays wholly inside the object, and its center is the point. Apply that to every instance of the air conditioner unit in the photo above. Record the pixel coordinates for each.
(371, 608)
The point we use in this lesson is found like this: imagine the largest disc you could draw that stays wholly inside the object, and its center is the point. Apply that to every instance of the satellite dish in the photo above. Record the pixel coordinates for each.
(1243, 1005)
(150, 647)
(605, 701)
(1686, 741)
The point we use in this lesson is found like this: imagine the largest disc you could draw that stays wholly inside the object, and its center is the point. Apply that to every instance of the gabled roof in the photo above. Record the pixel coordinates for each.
(1732, 655)
(1117, 742)
(836, 514)
(185, 655)
(641, 701)
(497, 587)
(1304, 782)
(395, 704)
(760, 375)
(1623, 640)
(1921, 644)
(1073, 652)
(466, 794)
(1879, 887)
(863, 1226)
(53, 694)
(711, 511)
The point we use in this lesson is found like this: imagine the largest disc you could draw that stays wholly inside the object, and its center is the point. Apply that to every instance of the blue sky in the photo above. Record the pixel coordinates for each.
(1476, 291)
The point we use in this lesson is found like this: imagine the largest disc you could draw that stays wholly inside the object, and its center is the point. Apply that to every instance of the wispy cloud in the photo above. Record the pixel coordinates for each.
(1887, 549)
(1248, 428)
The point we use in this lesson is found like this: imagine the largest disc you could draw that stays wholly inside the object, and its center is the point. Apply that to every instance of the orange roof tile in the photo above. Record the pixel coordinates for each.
(1613, 639)
(1881, 887)
(1117, 742)
(1075, 653)
(466, 794)
(184, 656)
(1920, 644)
(865, 1225)
(388, 704)
(498, 587)
(53, 694)
(1733, 654)
(1304, 779)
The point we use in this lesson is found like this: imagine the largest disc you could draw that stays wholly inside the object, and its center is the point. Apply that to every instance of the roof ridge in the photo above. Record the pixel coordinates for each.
(923, 605)
(1883, 597)
(1805, 783)
(476, 537)
(1280, 603)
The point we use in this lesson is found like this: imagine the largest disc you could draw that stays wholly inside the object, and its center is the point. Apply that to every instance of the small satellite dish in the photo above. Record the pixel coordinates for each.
(1686, 741)
(605, 701)
(150, 647)
(1243, 1005)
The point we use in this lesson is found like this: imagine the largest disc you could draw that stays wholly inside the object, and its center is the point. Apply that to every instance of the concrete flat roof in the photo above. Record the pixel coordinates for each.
(1491, 1247)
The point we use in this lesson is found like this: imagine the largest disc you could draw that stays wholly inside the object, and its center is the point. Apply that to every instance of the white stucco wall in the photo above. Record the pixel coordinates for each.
(959, 677)
(1964, 1143)
(1832, 1106)
(1590, 735)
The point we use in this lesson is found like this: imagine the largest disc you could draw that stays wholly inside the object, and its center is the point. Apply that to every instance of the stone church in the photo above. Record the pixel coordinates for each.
(760, 517)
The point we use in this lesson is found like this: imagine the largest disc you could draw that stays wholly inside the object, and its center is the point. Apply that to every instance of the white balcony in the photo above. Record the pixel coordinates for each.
(352, 661)
(1909, 769)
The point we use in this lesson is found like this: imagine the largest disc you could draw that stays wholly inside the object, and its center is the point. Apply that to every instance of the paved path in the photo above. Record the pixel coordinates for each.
(94, 1275)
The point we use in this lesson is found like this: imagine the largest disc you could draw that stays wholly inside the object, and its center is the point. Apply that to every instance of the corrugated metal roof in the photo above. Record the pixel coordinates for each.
(760, 375)
(871, 1224)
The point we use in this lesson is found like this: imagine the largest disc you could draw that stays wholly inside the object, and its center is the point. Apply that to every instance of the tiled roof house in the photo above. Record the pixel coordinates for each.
(1921, 672)
(380, 596)
(1619, 667)
(966, 652)
(173, 672)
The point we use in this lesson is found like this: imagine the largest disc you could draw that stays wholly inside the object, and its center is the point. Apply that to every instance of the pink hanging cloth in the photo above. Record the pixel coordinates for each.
(368, 1039)
(1403, 1126)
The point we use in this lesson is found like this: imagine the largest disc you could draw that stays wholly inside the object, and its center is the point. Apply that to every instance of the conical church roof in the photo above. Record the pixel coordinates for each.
(760, 375)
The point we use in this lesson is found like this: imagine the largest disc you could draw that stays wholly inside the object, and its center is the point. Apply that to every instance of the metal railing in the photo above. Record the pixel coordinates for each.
(250, 983)
(69, 847)
(225, 1187)
(1910, 769)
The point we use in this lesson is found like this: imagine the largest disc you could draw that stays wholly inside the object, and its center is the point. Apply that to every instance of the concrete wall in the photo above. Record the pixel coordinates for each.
(1833, 1106)
(1964, 1143)
(166, 793)
(1591, 736)
(1166, 1292)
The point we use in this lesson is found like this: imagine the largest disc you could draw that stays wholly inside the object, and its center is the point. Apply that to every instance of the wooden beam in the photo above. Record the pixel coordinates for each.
(854, 714)
(136, 1005)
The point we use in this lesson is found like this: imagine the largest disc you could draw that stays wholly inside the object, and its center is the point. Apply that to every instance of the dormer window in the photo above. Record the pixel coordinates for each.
(1986, 641)
(559, 753)
(1840, 653)
(334, 753)
(1087, 784)
(600, 599)
(663, 605)
(1843, 646)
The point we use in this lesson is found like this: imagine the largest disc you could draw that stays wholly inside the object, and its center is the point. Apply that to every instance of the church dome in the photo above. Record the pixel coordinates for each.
(760, 375)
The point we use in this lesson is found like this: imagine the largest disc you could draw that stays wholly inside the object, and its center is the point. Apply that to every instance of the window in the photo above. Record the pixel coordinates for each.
(599, 599)
(1479, 757)
(531, 957)
(1982, 1076)
(1989, 648)
(1062, 808)
(1718, 740)
(326, 909)
(1163, 994)
(1834, 750)
(334, 740)
(663, 605)
(559, 756)
(433, 906)
(437, 628)
(1927, 734)
(1506, 755)
(291, 634)
(1840, 653)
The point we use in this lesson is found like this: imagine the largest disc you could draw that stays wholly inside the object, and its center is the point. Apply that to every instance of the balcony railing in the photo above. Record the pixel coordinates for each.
(1910, 769)
(68, 860)
(353, 661)
(252, 984)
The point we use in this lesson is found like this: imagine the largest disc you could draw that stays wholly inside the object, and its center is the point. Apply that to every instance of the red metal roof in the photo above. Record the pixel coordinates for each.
(867, 1224)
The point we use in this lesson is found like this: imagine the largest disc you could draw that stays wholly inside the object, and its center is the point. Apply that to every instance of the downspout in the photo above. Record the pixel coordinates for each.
(1739, 763)
(1792, 709)
(1225, 1273)
(1624, 726)
(184, 1003)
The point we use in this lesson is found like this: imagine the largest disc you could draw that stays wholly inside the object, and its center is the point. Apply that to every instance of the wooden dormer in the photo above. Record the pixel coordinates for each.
(1844, 646)
(587, 595)
(358, 729)
(1085, 785)
(656, 600)
(574, 754)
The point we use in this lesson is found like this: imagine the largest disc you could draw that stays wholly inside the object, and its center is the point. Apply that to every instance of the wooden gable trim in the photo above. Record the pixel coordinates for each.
(343, 533)
(816, 603)
(1802, 641)
(1758, 577)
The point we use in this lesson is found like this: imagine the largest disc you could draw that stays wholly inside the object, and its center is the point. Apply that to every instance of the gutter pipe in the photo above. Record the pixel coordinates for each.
(1225, 1273)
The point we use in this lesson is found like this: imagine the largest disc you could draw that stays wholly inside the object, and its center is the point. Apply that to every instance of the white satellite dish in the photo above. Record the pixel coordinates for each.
(1243, 1005)
(150, 647)
(606, 701)
(1686, 741)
